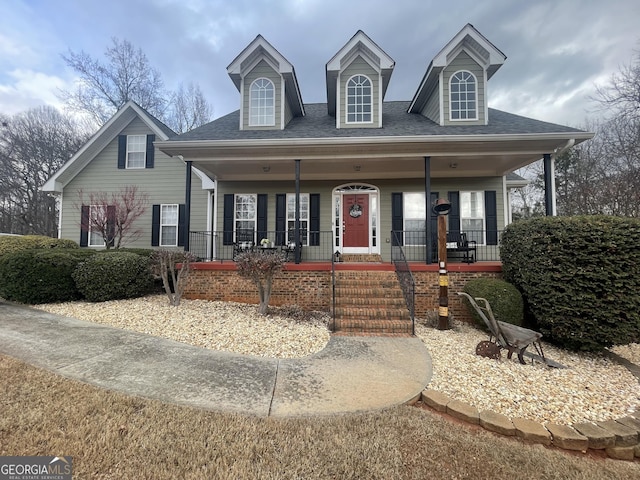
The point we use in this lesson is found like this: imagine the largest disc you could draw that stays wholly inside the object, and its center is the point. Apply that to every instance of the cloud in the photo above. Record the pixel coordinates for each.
(28, 88)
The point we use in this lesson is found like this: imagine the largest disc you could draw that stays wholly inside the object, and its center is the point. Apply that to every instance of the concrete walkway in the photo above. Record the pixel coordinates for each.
(351, 374)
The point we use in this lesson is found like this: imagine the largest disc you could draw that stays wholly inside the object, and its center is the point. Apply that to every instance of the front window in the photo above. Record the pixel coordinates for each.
(97, 225)
(304, 217)
(262, 103)
(359, 99)
(168, 225)
(415, 219)
(463, 96)
(472, 215)
(246, 214)
(136, 151)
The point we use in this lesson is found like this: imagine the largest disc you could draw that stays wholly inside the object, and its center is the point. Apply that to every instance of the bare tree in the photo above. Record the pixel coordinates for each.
(189, 109)
(33, 145)
(260, 268)
(105, 86)
(165, 263)
(621, 95)
(112, 216)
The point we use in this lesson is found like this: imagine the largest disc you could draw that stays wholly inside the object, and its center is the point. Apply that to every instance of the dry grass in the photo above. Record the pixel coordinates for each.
(112, 436)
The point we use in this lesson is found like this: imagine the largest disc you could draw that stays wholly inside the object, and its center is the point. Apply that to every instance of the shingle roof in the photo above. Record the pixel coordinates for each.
(395, 120)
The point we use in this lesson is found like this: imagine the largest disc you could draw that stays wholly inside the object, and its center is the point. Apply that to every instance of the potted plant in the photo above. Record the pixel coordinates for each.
(265, 243)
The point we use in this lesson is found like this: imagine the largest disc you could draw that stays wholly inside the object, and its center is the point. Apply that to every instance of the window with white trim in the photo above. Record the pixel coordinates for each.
(136, 151)
(245, 216)
(472, 215)
(97, 225)
(304, 217)
(415, 219)
(262, 103)
(169, 225)
(463, 96)
(359, 106)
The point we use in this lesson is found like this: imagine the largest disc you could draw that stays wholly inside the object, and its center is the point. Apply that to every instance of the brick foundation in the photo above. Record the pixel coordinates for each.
(308, 285)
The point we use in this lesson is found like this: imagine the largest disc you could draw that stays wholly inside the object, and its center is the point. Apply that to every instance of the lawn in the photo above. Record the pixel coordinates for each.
(113, 436)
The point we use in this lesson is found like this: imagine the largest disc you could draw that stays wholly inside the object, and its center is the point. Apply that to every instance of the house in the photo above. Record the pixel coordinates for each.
(356, 175)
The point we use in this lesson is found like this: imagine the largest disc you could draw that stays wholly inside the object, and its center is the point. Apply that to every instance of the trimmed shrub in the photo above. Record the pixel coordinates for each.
(504, 298)
(143, 252)
(40, 276)
(10, 243)
(113, 276)
(579, 276)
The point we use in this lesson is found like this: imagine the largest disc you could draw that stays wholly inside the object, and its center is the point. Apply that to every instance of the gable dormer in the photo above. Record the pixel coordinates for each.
(454, 88)
(269, 92)
(357, 80)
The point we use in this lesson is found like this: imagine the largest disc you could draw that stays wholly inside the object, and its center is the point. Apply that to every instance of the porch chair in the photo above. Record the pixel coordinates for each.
(244, 242)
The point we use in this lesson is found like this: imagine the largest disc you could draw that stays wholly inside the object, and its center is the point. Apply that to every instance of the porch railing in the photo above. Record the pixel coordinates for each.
(218, 245)
(405, 277)
(414, 246)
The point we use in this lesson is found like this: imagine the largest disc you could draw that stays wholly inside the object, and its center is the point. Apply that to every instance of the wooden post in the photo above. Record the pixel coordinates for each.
(443, 309)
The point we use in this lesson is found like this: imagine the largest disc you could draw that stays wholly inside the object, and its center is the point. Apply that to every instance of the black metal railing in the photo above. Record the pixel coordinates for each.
(405, 277)
(219, 246)
(332, 327)
(414, 246)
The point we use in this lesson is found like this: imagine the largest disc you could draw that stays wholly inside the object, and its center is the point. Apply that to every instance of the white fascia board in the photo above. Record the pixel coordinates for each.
(207, 182)
(335, 64)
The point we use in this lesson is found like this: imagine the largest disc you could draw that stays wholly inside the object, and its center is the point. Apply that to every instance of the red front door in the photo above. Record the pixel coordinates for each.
(355, 220)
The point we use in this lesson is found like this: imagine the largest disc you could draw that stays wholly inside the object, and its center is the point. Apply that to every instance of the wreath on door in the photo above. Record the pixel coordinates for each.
(355, 210)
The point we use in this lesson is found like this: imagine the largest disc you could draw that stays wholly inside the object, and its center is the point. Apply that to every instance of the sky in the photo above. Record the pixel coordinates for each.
(557, 50)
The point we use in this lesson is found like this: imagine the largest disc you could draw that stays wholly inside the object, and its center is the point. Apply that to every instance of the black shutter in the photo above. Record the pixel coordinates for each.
(262, 216)
(181, 224)
(155, 226)
(122, 151)
(84, 226)
(314, 219)
(150, 157)
(227, 222)
(111, 225)
(490, 207)
(454, 214)
(281, 218)
(397, 218)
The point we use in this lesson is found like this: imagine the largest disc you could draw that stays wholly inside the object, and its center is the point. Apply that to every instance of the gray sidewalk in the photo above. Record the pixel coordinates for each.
(351, 374)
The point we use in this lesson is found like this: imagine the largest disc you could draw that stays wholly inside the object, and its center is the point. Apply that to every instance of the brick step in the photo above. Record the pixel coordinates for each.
(372, 313)
(358, 325)
(360, 292)
(365, 283)
(360, 258)
(375, 301)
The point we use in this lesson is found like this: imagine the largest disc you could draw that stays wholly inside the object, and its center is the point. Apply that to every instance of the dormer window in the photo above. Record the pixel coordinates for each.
(262, 103)
(359, 106)
(463, 96)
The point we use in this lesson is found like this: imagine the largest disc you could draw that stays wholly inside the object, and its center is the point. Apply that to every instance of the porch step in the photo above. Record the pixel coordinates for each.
(370, 303)
(361, 258)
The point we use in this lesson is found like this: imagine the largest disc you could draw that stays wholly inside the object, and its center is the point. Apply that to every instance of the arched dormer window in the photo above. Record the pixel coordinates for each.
(262, 103)
(359, 107)
(463, 95)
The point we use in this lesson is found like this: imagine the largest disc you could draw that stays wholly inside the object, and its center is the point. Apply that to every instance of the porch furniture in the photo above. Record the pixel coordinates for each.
(289, 249)
(459, 245)
(244, 242)
(510, 337)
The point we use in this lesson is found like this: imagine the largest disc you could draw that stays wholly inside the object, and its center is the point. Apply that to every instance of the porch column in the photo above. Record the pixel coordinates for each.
(187, 205)
(549, 186)
(297, 220)
(427, 207)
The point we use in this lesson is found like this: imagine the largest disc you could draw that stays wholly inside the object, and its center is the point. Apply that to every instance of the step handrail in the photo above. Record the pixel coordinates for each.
(405, 278)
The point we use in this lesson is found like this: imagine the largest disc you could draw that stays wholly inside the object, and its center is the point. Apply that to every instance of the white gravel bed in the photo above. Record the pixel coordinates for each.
(593, 388)
(232, 327)
(631, 352)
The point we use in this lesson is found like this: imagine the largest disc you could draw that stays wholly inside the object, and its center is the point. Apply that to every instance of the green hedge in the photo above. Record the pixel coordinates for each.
(504, 298)
(40, 276)
(113, 276)
(579, 276)
(19, 243)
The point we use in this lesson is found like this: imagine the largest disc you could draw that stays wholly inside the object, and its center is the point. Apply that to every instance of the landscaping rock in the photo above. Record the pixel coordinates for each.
(497, 422)
(630, 422)
(625, 436)
(636, 451)
(566, 437)
(621, 453)
(532, 431)
(599, 438)
(436, 400)
(463, 411)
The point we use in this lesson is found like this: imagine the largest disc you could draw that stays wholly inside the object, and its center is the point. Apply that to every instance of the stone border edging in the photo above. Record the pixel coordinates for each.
(620, 439)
